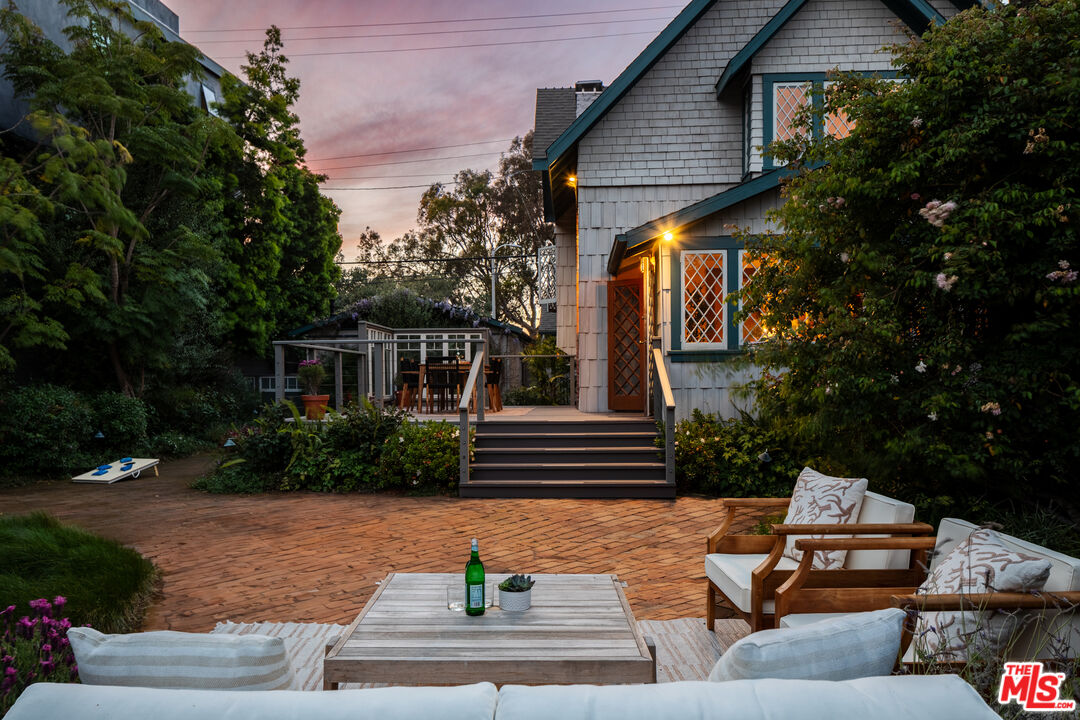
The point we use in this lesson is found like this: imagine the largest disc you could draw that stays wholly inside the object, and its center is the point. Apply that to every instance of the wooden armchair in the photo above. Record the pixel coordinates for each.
(1050, 628)
(747, 570)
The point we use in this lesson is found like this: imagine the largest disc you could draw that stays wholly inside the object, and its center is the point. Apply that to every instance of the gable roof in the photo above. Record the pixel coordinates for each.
(626, 80)
(916, 14)
(641, 237)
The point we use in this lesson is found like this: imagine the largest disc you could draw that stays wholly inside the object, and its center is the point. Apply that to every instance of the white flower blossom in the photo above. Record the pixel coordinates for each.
(921, 367)
(916, 122)
(932, 416)
(946, 283)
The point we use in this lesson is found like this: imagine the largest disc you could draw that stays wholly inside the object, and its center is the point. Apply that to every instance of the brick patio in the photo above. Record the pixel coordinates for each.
(309, 557)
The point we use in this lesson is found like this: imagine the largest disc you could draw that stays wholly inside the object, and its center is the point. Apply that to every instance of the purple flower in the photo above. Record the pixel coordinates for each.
(9, 610)
(25, 627)
(47, 666)
(42, 607)
(59, 601)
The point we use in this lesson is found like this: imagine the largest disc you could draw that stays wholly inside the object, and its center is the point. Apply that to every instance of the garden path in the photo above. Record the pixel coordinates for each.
(309, 557)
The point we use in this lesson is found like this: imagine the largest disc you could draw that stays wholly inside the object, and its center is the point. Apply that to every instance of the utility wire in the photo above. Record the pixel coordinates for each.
(389, 187)
(437, 32)
(395, 152)
(439, 259)
(433, 22)
(406, 162)
(450, 47)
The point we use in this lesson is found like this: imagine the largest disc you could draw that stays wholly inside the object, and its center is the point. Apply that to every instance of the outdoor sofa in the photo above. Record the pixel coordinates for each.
(940, 697)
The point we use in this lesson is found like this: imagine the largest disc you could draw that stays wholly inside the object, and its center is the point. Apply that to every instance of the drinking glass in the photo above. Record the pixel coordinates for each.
(455, 597)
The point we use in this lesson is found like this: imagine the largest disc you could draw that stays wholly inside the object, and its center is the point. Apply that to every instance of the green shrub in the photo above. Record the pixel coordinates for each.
(122, 420)
(732, 458)
(423, 456)
(106, 584)
(46, 429)
(531, 395)
(171, 444)
(202, 412)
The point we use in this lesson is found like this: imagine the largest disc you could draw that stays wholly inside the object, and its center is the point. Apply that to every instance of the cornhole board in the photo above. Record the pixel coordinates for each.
(117, 471)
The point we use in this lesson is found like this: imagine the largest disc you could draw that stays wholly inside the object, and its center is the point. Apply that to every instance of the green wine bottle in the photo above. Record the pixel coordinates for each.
(474, 583)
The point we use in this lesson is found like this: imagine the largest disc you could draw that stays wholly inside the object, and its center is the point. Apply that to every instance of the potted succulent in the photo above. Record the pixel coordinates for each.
(310, 373)
(515, 593)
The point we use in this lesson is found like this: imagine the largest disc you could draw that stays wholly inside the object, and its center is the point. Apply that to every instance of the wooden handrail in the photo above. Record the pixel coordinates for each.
(989, 601)
(865, 543)
(463, 413)
(855, 529)
(663, 382)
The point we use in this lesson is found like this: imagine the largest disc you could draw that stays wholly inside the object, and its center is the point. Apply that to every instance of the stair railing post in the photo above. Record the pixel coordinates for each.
(279, 373)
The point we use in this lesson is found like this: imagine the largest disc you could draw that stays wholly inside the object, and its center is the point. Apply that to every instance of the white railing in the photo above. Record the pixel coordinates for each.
(475, 371)
(664, 401)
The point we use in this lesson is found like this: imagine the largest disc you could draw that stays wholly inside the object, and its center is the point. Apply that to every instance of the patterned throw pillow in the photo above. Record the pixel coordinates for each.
(979, 564)
(822, 500)
(167, 659)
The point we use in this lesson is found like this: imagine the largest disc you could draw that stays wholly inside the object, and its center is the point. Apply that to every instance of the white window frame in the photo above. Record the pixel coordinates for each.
(692, 345)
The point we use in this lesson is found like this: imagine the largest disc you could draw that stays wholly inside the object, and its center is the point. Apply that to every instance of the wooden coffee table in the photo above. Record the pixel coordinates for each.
(579, 630)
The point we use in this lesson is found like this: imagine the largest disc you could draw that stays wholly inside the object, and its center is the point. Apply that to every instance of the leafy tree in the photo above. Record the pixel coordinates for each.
(470, 219)
(283, 234)
(923, 290)
(95, 108)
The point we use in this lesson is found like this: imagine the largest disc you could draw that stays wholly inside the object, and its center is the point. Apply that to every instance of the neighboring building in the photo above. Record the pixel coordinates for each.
(51, 16)
(645, 180)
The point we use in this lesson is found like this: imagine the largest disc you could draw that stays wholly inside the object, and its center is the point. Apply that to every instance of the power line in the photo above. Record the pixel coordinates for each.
(450, 47)
(395, 152)
(438, 32)
(406, 162)
(434, 22)
(389, 187)
(439, 259)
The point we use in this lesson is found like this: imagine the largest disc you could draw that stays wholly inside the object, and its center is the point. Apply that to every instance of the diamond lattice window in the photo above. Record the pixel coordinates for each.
(788, 100)
(545, 274)
(704, 308)
(838, 124)
(752, 328)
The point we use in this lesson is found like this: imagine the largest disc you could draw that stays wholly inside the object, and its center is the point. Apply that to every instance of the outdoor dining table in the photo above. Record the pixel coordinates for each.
(463, 375)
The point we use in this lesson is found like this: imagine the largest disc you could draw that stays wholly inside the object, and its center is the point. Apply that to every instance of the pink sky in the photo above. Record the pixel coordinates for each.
(352, 104)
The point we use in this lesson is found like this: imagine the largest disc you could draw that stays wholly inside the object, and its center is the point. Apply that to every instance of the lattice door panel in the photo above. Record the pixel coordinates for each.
(626, 347)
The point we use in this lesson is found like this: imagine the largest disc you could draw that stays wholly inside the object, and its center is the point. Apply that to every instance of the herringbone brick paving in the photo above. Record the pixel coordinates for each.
(310, 557)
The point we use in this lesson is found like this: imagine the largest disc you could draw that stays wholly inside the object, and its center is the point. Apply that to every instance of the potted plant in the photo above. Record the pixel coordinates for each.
(310, 373)
(515, 593)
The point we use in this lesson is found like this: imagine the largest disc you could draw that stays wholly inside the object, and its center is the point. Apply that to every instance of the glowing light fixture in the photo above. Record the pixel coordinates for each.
(572, 180)
(668, 237)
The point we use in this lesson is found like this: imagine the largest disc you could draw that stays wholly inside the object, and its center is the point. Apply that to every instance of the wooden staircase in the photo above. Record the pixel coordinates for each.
(567, 459)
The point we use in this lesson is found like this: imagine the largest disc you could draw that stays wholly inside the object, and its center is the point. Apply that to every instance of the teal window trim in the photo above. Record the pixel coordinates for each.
(768, 105)
(817, 81)
(732, 271)
(748, 105)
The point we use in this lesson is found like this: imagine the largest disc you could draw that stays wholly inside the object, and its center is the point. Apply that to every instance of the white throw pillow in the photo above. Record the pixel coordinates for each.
(823, 500)
(979, 564)
(842, 648)
(167, 659)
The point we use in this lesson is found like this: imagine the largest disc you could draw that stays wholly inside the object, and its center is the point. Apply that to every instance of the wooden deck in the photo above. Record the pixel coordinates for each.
(537, 413)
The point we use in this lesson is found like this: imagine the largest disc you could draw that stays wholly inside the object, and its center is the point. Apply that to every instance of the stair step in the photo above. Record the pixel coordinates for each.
(531, 456)
(570, 427)
(554, 440)
(568, 488)
(557, 471)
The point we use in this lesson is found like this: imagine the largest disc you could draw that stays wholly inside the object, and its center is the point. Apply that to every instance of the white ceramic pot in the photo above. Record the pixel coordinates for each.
(515, 601)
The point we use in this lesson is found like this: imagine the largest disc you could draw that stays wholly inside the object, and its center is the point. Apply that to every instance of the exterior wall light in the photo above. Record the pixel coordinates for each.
(668, 237)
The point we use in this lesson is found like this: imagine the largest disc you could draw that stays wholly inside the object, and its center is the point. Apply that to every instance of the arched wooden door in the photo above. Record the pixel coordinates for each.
(626, 344)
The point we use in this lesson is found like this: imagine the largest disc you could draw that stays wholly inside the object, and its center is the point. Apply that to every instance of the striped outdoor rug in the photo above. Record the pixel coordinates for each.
(685, 650)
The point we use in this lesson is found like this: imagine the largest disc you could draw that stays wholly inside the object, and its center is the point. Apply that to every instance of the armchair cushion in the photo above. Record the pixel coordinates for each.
(842, 648)
(732, 575)
(821, 499)
(978, 564)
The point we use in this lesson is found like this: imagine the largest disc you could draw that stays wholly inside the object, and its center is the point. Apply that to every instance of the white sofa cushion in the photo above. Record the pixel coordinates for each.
(51, 701)
(823, 500)
(732, 575)
(980, 563)
(842, 648)
(881, 509)
(167, 659)
(935, 697)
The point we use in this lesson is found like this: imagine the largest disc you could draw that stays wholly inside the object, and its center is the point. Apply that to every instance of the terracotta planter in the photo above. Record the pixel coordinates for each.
(315, 406)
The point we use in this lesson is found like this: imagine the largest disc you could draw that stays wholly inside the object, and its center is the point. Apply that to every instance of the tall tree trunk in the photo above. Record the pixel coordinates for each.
(122, 377)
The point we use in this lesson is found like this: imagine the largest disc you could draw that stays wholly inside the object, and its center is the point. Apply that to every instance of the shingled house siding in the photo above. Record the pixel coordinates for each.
(667, 144)
(823, 35)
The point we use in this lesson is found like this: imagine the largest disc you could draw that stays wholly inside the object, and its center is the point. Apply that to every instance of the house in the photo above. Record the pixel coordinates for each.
(645, 179)
(51, 16)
